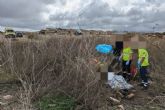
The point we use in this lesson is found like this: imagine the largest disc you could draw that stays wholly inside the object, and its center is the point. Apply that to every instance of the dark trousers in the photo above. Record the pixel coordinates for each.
(126, 68)
(143, 74)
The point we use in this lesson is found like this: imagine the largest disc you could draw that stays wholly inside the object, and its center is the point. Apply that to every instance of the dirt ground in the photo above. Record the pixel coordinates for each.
(154, 97)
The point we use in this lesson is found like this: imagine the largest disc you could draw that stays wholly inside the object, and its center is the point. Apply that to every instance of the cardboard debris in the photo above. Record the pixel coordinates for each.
(130, 96)
(113, 100)
(120, 107)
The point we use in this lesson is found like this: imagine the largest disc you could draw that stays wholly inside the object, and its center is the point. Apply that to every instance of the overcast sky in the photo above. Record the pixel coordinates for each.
(121, 15)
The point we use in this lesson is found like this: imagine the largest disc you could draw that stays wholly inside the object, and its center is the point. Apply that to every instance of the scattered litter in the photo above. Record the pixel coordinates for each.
(119, 94)
(8, 97)
(118, 81)
(133, 91)
(113, 100)
(130, 96)
(1, 103)
(120, 107)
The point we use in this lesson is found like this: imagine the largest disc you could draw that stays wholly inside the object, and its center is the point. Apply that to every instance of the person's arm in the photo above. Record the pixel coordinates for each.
(120, 56)
(142, 60)
(131, 56)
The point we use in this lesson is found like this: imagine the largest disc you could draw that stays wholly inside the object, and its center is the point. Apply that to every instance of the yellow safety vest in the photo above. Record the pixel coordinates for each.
(127, 53)
(143, 54)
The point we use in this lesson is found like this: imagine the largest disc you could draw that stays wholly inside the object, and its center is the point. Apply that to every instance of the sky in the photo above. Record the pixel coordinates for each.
(116, 15)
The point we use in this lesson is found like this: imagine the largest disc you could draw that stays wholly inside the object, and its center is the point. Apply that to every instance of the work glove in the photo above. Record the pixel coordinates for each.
(112, 52)
(127, 63)
(138, 64)
(119, 58)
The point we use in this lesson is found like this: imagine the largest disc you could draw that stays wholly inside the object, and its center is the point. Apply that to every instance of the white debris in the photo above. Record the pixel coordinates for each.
(1, 103)
(118, 82)
(8, 97)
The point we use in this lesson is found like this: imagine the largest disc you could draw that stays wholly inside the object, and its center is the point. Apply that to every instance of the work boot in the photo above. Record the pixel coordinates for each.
(141, 84)
(145, 86)
(124, 75)
(128, 77)
(124, 92)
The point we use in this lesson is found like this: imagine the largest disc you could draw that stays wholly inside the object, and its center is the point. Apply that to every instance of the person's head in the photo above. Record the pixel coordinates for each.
(139, 50)
(135, 54)
(126, 44)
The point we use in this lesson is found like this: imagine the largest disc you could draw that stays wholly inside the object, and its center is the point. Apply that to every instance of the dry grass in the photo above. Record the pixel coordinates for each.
(57, 65)
(60, 65)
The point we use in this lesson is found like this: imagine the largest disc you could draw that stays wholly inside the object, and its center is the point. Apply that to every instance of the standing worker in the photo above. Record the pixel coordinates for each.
(126, 62)
(142, 66)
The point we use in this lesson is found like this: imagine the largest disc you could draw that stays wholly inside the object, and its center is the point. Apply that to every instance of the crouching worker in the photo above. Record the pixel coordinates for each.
(126, 62)
(142, 66)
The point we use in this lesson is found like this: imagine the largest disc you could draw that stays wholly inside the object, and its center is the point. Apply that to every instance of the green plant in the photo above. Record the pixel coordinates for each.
(56, 103)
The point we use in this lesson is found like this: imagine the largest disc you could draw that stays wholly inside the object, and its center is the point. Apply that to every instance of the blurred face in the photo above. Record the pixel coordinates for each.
(135, 54)
(138, 51)
(126, 45)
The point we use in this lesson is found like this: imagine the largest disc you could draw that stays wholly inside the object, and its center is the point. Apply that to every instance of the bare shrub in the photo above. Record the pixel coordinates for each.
(57, 65)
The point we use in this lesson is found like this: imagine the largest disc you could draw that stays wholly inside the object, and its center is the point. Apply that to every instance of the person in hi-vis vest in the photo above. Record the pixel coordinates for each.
(143, 63)
(126, 57)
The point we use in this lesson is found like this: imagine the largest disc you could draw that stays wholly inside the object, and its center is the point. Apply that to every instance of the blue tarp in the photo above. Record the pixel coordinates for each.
(104, 48)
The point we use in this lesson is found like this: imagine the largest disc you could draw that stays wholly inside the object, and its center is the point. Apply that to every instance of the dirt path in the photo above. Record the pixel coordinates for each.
(143, 99)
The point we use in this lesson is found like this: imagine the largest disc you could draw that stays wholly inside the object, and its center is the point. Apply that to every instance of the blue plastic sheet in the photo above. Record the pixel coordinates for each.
(104, 48)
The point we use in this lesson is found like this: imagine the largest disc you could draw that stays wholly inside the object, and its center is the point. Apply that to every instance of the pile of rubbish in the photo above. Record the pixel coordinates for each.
(118, 82)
